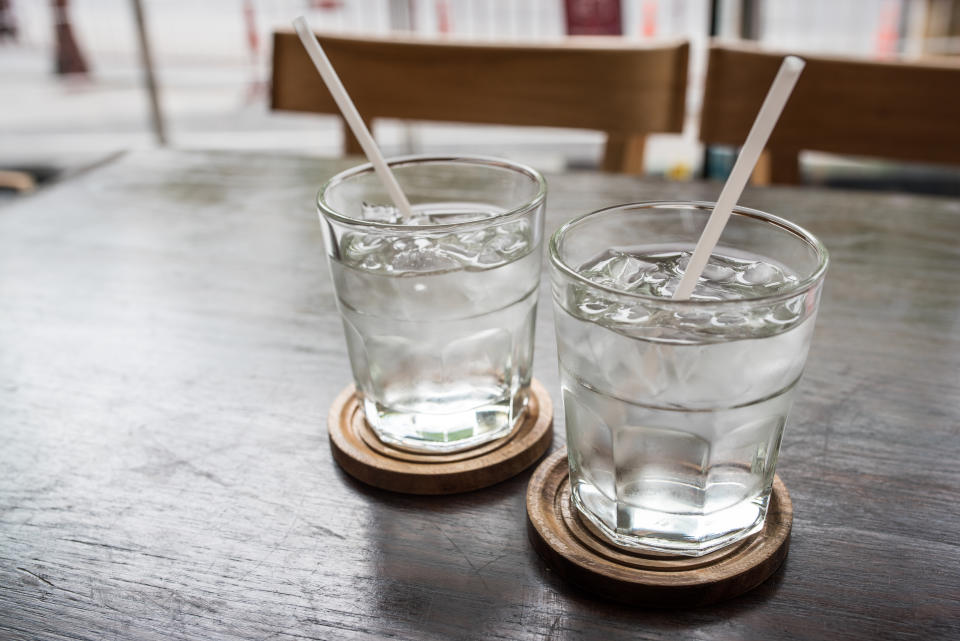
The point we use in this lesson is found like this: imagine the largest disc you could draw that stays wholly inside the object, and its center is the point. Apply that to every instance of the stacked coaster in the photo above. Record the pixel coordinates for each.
(363, 456)
(579, 556)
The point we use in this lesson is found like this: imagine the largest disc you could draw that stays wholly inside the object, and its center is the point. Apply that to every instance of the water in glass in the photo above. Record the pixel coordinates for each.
(674, 417)
(440, 326)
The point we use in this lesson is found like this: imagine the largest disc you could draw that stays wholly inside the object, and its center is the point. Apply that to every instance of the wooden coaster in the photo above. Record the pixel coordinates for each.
(581, 557)
(363, 456)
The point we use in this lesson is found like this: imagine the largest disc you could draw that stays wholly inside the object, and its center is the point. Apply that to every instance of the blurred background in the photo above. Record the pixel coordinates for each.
(75, 82)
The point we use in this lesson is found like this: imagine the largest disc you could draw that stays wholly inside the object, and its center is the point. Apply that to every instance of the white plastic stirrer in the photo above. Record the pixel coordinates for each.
(770, 111)
(352, 116)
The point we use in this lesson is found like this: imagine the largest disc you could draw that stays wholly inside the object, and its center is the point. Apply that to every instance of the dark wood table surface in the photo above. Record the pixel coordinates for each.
(169, 346)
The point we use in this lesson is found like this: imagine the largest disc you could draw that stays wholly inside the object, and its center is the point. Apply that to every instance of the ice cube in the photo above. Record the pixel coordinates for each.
(371, 263)
(618, 270)
(629, 313)
(417, 219)
(730, 319)
(596, 264)
(473, 241)
(487, 247)
(451, 247)
(787, 312)
(692, 317)
(707, 290)
(629, 270)
(590, 305)
(761, 273)
(508, 244)
(718, 272)
(420, 255)
(355, 246)
(657, 277)
(726, 278)
(667, 287)
(379, 213)
(521, 226)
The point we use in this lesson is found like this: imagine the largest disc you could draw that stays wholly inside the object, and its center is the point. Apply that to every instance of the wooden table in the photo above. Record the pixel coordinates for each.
(169, 346)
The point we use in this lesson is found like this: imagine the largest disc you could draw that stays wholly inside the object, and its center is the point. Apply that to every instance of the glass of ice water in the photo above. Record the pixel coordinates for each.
(438, 308)
(675, 410)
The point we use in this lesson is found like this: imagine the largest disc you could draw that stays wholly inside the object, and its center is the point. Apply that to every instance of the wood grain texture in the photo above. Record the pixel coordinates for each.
(363, 456)
(898, 110)
(571, 548)
(170, 345)
(585, 83)
(624, 154)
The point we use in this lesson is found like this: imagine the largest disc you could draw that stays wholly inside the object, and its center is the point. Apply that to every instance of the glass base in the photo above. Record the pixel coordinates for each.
(447, 432)
(655, 533)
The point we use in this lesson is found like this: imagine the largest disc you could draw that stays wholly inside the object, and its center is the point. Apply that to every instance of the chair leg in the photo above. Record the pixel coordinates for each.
(785, 166)
(761, 172)
(351, 146)
(624, 154)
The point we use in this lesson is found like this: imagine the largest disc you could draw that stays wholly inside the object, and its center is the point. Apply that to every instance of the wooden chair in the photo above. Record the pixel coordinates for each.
(896, 110)
(625, 91)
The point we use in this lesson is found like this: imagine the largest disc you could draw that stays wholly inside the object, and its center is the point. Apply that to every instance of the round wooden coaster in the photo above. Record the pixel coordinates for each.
(363, 456)
(579, 556)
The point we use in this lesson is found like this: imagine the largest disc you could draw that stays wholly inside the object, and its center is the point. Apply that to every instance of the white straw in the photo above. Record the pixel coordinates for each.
(773, 105)
(352, 116)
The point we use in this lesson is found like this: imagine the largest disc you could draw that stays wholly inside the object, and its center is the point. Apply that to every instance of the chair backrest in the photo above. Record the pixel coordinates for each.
(897, 110)
(627, 91)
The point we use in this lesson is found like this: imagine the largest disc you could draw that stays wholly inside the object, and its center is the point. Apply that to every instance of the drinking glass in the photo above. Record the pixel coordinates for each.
(438, 308)
(675, 409)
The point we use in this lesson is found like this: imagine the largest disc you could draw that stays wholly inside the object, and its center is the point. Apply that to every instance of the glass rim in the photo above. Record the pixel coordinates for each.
(415, 159)
(800, 287)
